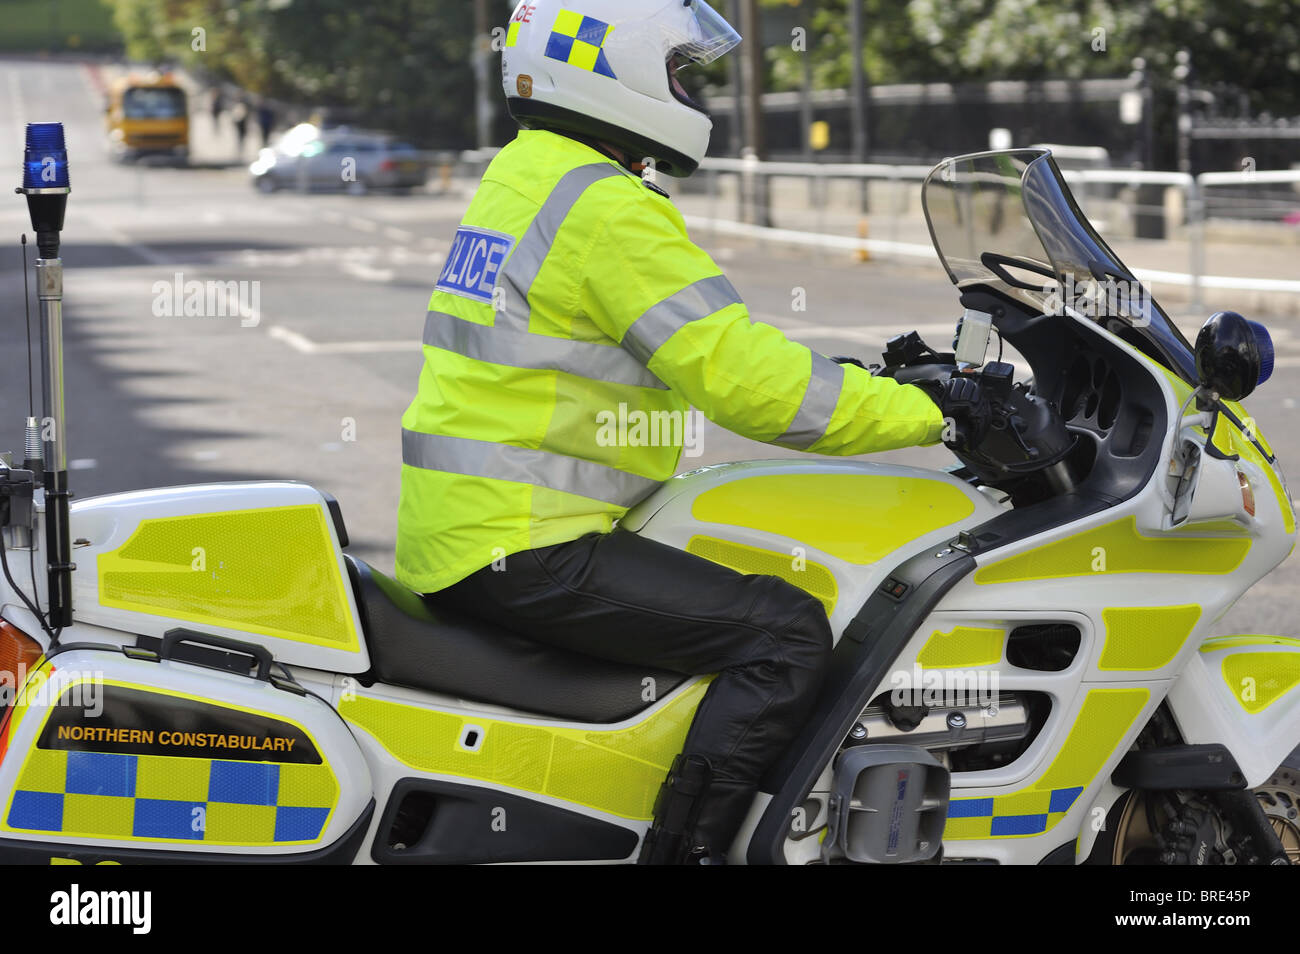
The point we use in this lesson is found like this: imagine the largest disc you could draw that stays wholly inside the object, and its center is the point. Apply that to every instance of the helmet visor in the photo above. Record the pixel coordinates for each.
(701, 36)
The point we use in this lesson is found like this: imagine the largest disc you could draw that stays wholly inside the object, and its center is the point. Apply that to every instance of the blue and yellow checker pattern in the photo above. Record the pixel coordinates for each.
(163, 798)
(1105, 718)
(579, 41)
(1024, 813)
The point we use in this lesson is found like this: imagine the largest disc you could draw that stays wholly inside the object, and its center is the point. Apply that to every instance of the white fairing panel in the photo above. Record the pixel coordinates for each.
(1243, 693)
(235, 573)
(672, 516)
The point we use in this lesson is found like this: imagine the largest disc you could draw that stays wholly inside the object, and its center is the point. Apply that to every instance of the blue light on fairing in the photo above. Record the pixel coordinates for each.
(45, 160)
(1263, 341)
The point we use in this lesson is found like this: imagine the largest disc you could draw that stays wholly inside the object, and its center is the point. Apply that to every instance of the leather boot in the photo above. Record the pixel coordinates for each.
(719, 818)
(676, 809)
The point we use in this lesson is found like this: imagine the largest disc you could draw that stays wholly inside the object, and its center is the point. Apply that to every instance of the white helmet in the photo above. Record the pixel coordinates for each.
(605, 69)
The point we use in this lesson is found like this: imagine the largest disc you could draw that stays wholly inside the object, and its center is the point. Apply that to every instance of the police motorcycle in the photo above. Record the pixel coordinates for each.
(1027, 668)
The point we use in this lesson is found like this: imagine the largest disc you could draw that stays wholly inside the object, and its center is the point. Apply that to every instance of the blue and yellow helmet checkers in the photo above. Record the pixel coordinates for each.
(578, 41)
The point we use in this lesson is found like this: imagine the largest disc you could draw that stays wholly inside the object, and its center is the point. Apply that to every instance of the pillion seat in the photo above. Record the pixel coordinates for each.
(416, 644)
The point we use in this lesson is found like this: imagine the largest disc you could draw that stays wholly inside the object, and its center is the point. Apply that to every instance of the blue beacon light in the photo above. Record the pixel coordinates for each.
(46, 184)
(45, 158)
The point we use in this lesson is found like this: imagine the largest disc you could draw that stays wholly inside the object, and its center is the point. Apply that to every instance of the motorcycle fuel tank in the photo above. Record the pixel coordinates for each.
(835, 529)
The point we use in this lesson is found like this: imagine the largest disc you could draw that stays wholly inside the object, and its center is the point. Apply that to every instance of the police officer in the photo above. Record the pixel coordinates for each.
(572, 292)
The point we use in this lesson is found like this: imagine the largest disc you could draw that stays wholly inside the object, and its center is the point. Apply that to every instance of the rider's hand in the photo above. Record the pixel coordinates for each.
(966, 410)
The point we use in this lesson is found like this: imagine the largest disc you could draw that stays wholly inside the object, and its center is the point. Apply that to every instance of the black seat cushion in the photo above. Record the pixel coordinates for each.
(416, 644)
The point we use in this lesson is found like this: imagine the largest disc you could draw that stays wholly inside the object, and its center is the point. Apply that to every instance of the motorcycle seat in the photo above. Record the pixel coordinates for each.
(416, 644)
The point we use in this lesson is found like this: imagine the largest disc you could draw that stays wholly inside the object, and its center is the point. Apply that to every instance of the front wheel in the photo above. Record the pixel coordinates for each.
(1129, 838)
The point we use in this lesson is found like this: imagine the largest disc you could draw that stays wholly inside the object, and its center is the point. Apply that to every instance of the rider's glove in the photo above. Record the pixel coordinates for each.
(965, 407)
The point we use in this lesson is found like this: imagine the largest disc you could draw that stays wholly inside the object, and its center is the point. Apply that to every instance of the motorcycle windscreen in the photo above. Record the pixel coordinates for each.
(1008, 220)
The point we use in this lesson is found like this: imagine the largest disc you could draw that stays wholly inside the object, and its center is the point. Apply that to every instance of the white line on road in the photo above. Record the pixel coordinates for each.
(16, 97)
(120, 238)
(368, 274)
(304, 345)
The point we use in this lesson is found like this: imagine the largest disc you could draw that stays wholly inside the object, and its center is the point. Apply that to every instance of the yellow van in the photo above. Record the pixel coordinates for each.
(148, 115)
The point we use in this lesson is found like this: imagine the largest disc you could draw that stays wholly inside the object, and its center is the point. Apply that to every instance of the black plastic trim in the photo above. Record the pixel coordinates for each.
(1064, 855)
(1196, 768)
(342, 852)
(464, 827)
(1241, 426)
(223, 652)
(336, 514)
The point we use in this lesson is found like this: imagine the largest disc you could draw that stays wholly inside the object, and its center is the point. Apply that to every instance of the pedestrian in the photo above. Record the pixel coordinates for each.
(217, 106)
(240, 115)
(265, 121)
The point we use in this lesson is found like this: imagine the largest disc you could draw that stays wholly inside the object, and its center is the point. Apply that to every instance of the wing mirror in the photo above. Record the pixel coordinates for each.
(1233, 356)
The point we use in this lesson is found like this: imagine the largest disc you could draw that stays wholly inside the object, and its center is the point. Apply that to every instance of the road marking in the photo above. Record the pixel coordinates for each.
(399, 235)
(16, 97)
(125, 241)
(368, 274)
(363, 225)
(304, 345)
(249, 317)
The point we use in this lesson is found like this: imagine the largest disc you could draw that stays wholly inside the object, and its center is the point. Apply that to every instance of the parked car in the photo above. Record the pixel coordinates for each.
(341, 159)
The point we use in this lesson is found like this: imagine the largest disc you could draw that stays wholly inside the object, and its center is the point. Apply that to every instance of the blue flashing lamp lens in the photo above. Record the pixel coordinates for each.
(1263, 341)
(45, 159)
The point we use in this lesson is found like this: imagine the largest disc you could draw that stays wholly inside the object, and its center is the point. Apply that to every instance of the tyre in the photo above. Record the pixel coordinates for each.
(1280, 799)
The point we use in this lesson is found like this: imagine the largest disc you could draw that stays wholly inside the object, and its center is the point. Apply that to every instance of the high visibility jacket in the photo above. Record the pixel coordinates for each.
(572, 299)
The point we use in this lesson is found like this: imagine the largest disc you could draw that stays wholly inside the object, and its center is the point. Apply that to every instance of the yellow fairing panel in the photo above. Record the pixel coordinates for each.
(1118, 548)
(805, 574)
(1228, 642)
(1103, 721)
(612, 770)
(1259, 679)
(860, 518)
(1232, 442)
(1146, 638)
(964, 646)
(272, 571)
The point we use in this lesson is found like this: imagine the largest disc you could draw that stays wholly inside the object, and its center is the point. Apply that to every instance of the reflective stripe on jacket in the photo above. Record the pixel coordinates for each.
(572, 298)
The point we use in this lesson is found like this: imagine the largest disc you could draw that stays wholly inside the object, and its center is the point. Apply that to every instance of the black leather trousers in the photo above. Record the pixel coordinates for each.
(625, 598)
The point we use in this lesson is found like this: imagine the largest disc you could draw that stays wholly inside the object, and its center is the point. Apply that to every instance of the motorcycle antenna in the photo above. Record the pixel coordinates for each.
(46, 185)
(32, 430)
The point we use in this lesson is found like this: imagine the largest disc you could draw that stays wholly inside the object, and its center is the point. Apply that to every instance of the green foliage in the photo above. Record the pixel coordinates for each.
(1253, 44)
(405, 64)
(57, 25)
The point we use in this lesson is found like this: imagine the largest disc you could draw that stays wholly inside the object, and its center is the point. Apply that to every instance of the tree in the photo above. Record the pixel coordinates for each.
(1251, 44)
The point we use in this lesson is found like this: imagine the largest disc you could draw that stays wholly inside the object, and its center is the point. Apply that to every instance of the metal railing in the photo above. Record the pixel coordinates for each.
(753, 173)
(750, 173)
